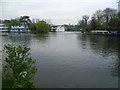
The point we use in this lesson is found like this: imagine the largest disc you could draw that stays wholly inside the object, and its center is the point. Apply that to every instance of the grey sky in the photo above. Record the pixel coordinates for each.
(58, 11)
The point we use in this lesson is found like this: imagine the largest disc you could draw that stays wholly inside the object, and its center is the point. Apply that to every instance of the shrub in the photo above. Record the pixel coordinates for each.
(20, 67)
(42, 27)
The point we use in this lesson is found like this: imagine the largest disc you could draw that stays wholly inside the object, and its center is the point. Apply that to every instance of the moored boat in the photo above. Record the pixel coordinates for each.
(105, 32)
(116, 33)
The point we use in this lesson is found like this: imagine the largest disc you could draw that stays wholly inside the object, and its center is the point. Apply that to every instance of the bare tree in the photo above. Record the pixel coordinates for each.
(108, 13)
(85, 18)
(98, 15)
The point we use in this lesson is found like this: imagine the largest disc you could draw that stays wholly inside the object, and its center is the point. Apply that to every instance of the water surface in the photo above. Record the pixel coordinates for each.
(72, 60)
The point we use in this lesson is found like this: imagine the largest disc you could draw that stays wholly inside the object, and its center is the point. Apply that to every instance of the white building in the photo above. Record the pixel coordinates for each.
(57, 28)
(3, 27)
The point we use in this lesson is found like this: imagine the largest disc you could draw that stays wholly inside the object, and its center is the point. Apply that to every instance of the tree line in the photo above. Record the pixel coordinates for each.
(107, 19)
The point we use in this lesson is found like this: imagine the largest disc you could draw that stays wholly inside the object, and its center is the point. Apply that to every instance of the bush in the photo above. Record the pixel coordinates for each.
(42, 27)
(20, 67)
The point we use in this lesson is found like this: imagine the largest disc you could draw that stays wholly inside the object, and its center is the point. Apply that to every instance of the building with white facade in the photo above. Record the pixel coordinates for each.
(57, 28)
(3, 27)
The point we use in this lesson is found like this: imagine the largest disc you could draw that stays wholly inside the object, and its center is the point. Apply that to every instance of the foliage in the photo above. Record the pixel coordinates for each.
(107, 19)
(84, 23)
(108, 13)
(72, 28)
(81, 23)
(21, 66)
(42, 27)
(114, 23)
(32, 27)
(85, 19)
(96, 25)
(12, 22)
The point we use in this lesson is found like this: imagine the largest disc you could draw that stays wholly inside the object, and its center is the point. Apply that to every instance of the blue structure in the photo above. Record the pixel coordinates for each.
(105, 32)
(114, 33)
(19, 29)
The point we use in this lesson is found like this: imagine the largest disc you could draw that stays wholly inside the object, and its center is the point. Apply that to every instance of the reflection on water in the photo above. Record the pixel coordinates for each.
(105, 46)
(72, 60)
(41, 37)
(18, 38)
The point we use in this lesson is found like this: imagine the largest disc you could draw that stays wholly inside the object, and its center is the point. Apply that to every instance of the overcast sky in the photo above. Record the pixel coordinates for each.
(58, 11)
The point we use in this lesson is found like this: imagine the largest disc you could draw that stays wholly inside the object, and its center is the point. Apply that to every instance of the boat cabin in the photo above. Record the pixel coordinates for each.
(100, 32)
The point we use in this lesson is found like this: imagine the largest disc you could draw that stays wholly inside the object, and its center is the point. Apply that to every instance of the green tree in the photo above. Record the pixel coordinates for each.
(21, 66)
(103, 19)
(98, 20)
(84, 24)
(94, 24)
(81, 23)
(108, 13)
(42, 27)
(98, 15)
(113, 23)
(85, 19)
(32, 27)
(12, 22)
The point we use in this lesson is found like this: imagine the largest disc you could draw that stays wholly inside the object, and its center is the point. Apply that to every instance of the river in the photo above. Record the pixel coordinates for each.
(72, 60)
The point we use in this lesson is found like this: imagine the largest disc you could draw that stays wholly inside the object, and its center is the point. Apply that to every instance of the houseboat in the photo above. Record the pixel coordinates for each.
(105, 32)
(116, 33)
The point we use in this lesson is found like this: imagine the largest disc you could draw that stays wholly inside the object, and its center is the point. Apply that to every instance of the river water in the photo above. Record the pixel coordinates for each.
(72, 60)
